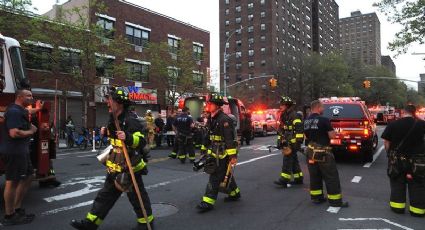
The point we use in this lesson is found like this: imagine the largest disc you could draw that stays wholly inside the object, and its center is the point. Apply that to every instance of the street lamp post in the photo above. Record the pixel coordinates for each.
(225, 56)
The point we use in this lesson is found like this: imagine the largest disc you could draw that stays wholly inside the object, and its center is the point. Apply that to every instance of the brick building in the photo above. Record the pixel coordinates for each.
(361, 38)
(140, 26)
(388, 63)
(270, 39)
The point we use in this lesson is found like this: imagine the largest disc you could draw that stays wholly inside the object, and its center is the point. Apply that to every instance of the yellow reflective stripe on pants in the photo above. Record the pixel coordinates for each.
(299, 135)
(115, 142)
(203, 147)
(94, 219)
(215, 138)
(234, 192)
(230, 151)
(316, 192)
(286, 176)
(294, 140)
(334, 197)
(136, 139)
(208, 200)
(182, 156)
(298, 175)
(173, 154)
(397, 205)
(419, 211)
(143, 220)
(141, 165)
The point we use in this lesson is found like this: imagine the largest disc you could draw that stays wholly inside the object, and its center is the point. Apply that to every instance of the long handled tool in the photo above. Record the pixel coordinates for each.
(223, 185)
(130, 169)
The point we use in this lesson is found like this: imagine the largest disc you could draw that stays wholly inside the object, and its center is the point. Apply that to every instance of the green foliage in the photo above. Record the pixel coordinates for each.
(411, 15)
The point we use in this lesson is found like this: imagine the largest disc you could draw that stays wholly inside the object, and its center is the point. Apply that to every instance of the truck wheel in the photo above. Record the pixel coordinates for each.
(375, 143)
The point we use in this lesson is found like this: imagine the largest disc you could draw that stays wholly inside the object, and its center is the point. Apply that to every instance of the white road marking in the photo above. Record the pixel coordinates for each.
(95, 179)
(54, 211)
(356, 179)
(333, 209)
(364, 229)
(380, 150)
(376, 219)
(90, 155)
(249, 147)
(92, 185)
(73, 153)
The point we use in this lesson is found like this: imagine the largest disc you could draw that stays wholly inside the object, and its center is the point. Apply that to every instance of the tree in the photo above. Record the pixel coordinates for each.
(411, 15)
(176, 70)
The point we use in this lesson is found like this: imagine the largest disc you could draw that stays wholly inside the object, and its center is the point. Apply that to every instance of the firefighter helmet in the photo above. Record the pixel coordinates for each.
(120, 94)
(284, 100)
(217, 99)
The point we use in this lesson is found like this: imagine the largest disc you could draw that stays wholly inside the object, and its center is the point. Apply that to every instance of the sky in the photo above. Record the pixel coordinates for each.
(205, 14)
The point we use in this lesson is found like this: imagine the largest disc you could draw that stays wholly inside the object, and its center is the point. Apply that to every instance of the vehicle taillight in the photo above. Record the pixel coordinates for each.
(353, 147)
(366, 132)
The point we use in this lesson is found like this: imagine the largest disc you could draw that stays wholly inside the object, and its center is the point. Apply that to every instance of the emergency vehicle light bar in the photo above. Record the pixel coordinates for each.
(340, 99)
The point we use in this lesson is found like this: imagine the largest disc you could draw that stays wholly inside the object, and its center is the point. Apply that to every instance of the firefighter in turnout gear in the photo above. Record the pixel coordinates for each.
(290, 137)
(184, 125)
(222, 156)
(321, 161)
(405, 145)
(118, 179)
(150, 121)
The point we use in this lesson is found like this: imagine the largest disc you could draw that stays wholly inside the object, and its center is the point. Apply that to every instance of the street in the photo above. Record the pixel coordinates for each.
(175, 190)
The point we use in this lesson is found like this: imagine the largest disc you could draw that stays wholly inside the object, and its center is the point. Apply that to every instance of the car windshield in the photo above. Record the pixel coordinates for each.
(343, 111)
(18, 68)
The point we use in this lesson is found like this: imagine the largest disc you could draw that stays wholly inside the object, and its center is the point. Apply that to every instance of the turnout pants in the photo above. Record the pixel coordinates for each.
(185, 147)
(291, 166)
(416, 190)
(216, 178)
(109, 194)
(324, 171)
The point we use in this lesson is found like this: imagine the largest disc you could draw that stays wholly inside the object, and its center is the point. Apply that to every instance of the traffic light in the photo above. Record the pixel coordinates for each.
(273, 83)
(366, 84)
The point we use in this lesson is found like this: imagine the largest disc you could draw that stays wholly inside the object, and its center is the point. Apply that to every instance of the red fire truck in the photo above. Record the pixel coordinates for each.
(13, 78)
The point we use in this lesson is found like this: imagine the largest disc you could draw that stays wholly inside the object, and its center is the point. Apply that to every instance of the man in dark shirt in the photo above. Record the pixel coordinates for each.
(184, 124)
(412, 131)
(159, 128)
(15, 147)
(321, 162)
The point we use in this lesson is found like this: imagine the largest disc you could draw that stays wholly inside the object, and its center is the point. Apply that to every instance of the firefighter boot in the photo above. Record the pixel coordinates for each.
(233, 198)
(83, 225)
(204, 207)
(140, 226)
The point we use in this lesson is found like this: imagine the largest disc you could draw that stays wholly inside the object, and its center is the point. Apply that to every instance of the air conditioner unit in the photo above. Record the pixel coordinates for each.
(138, 49)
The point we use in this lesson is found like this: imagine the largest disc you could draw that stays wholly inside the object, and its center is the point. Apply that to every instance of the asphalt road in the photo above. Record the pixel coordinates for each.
(175, 190)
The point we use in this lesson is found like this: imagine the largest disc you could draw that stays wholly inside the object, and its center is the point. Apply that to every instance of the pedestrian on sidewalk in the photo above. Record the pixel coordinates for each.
(15, 150)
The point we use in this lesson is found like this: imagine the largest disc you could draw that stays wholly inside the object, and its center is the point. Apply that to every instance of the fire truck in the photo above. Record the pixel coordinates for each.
(355, 128)
(13, 78)
(383, 114)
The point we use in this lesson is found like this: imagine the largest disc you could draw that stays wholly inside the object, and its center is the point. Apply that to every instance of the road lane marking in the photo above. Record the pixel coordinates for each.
(73, 153)
(92, 185)
(356, 179)
(375, 157)
(364, 229)
(161, 184)
(376, 219)
(334, 210)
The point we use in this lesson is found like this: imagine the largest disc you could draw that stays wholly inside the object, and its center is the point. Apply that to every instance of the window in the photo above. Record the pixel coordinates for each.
(250, 5)
(69, 60)
(107, 26)
(263, 14)
(137, 36)
(198, 78)
(198, 51)
(250, 17)
(238, 54)
(251, 64)
(38, 57)
(138, 71)
(263, 2)
(173, 74)
(263, 26)
(227, 23)
(104, 66)
(238, 9)
(238, 20)
(263, 50)
(250, 40)
(251, 53)
(250, 29)
(227, 11)
(173, 45)
(227, 2)
(263, 38)
(238, 66)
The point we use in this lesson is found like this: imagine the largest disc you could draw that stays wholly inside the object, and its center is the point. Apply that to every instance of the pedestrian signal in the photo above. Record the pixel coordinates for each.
(366, 84)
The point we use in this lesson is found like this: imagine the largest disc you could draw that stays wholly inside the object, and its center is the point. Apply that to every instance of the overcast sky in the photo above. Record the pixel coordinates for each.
(205, 14)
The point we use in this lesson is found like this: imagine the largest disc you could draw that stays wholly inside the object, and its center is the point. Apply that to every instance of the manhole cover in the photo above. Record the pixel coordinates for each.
(164, 209)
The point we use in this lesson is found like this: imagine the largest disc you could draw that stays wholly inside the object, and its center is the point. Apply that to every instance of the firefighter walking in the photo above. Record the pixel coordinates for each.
(222, 156)
(118, 179)
(184, 125)
(289, 140)
(404, 143)
(150, 121)
(321, 161)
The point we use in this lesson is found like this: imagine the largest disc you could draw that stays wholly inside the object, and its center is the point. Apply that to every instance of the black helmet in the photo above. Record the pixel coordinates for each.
(217, 99)
(120, 94)
(286, 101)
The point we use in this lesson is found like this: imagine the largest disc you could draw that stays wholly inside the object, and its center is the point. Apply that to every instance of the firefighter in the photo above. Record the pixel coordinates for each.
(184, 125)
(290, 137)
(150, 121)
(404, 142)
(222, 152)
(118, 179)
(246, 128)
(321, 161)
